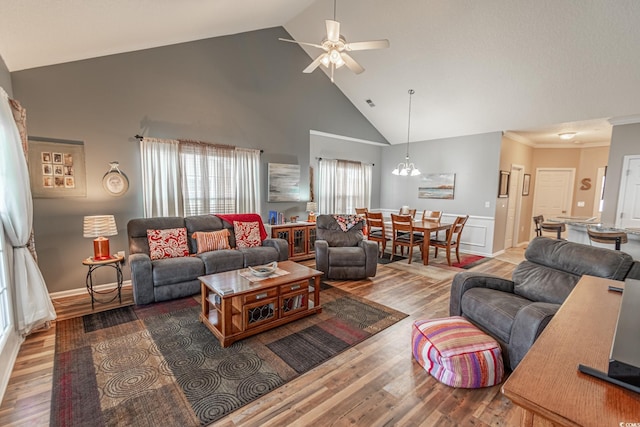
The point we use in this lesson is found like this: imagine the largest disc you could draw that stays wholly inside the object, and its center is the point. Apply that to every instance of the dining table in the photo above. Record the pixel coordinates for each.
(426, 227)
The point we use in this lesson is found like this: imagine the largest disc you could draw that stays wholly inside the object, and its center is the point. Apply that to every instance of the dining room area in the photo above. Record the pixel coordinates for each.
(415, 236)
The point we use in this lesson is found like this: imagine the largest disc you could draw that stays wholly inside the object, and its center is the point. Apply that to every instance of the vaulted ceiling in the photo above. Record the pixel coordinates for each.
(530, 68)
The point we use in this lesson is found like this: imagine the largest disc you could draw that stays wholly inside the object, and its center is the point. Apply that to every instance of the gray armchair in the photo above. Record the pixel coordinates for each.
(516, 311)
(344, 254)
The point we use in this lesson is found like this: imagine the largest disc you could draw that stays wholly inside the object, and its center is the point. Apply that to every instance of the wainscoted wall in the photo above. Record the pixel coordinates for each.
(477, 236)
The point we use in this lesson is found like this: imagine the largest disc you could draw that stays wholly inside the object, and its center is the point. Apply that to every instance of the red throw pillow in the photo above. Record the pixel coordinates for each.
(168, 243)
(247, 234)
(212, 240)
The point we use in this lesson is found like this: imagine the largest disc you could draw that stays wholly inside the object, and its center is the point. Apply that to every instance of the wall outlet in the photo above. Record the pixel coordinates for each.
(487, 204)
(581, 204)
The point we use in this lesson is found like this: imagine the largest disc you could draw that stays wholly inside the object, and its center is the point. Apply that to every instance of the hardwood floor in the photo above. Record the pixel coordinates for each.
(376, 383)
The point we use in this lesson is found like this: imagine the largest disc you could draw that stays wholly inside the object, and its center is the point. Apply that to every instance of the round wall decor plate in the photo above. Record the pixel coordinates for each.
(115, 183)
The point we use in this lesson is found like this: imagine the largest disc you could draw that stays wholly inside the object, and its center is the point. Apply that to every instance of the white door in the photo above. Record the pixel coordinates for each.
(597, 198)
(628, 214)
(553, 192)
(513, 207)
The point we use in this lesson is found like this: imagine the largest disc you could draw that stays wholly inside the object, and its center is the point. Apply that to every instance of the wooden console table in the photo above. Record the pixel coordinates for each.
(547, 384)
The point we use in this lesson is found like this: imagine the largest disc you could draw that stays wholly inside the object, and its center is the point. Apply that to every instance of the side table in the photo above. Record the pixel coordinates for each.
(115, 262)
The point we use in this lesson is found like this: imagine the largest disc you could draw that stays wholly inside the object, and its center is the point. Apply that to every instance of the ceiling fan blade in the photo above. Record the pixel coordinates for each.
(333, 30)
(371, 44)
(304, 43)
(314, 64)
(351, 63)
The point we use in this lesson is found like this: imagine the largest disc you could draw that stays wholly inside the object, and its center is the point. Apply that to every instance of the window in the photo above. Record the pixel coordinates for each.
(190, 178)
(343, 186)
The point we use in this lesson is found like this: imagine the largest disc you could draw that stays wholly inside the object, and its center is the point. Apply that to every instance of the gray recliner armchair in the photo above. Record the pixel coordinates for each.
(516, 311)
(344, 254)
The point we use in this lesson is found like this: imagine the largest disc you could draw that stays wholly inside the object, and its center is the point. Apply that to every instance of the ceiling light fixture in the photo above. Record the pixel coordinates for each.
(406, 168)
(567, 135)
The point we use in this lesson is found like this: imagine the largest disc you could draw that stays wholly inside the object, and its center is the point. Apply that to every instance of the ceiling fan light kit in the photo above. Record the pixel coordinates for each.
(335, 48)
(407, 168)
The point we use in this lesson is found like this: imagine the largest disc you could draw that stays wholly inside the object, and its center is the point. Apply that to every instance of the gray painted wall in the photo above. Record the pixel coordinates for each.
(625, 140)
(335, 148)
(5, 78)
(246, 90)
(474, 159)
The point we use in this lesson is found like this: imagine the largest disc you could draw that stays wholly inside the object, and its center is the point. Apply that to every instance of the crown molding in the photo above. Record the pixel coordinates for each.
(624, 120)
(346, 138)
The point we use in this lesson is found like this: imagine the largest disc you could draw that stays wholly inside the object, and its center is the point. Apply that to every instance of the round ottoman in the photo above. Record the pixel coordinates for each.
(457, 353)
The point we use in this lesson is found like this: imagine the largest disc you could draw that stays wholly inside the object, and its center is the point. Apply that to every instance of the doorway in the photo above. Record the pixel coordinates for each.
(553, 194)
(628, 212)
(511, 238)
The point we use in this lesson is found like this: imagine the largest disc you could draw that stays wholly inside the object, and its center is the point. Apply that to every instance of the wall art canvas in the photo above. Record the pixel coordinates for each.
(56, 168)
(284, 183)
(437, 186)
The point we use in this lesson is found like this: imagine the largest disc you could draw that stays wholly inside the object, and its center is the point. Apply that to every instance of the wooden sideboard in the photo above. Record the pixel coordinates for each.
(547, 384)
(300, 235)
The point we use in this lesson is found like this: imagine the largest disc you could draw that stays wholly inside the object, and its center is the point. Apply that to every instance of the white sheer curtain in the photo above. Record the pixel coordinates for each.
(32, 303)
(327, 170)
(182, 178)
(343, 186)
(162, 195)
(247, 169)
(208, 178)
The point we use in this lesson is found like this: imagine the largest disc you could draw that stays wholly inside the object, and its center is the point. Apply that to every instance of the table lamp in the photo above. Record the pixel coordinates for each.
(100, 226)
(312, 207)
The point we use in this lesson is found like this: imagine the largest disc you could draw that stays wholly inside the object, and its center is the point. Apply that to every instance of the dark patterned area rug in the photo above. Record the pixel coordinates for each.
(158, 365)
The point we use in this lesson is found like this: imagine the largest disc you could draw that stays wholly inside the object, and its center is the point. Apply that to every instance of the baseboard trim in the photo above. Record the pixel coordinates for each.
(82, 290)
(9, 356)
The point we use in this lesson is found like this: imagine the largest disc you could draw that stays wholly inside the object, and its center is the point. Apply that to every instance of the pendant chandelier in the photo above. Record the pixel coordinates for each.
(405, 168)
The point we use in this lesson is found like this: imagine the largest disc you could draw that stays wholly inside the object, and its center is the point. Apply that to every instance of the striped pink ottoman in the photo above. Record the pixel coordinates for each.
(457, 353)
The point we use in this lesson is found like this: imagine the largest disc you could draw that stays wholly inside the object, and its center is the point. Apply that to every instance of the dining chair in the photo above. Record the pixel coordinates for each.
(435, 216)
(361, 211)
(411, 212)
(451, 240)
(403, 234)
(377, 233)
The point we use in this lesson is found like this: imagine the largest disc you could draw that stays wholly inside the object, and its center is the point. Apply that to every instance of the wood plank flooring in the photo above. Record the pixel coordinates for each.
(376, 383)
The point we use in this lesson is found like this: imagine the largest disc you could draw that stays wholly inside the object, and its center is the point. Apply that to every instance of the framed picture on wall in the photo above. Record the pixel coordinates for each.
(284, 183)
(526, 183)
(503, 186)
(56, 168)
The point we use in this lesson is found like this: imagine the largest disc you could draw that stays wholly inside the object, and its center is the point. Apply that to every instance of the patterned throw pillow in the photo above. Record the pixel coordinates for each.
(247, 234)
(212, 240)
(168, 243)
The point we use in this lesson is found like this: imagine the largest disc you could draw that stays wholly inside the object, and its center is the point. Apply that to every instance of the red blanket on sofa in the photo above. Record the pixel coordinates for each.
(245, 217)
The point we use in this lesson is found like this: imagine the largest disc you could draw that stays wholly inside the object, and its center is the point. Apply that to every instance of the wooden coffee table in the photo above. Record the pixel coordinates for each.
(236, 305)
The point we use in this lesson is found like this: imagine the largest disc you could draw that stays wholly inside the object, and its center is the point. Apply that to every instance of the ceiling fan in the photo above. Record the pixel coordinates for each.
(335, 48)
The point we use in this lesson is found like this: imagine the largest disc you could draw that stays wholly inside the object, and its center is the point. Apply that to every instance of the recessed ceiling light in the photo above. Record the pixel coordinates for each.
(567, 135)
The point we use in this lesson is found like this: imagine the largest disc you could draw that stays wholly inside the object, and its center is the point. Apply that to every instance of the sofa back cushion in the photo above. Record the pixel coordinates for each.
(538, 283)
(553, 267)
(205, 223)
(137, 231)
(328, 229)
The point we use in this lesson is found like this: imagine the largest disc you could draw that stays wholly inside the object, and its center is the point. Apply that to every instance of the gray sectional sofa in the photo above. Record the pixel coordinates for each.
(165, 279)
(516, 311)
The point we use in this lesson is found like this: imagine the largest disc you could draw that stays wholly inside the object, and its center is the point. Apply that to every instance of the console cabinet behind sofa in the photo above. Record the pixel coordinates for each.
(170, 278)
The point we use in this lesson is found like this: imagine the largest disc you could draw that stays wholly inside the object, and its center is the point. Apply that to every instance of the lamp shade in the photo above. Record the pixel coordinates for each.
(99, 225)
(312, 206)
